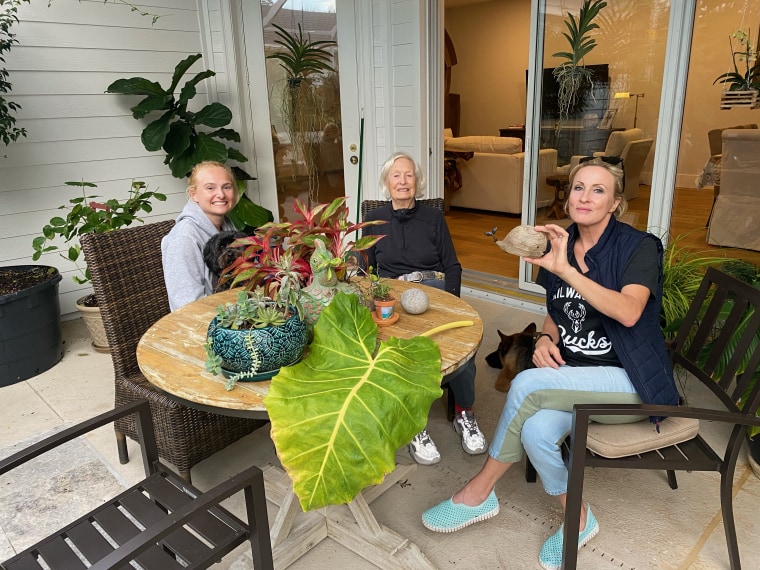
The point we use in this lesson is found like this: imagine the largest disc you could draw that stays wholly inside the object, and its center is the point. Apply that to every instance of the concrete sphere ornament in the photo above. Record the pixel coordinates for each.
(415, 301)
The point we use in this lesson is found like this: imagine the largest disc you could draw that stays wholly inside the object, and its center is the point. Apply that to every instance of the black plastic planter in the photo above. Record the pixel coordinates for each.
(30, 330)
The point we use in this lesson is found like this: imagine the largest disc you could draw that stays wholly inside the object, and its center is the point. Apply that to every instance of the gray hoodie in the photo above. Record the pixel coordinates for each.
(185, 273)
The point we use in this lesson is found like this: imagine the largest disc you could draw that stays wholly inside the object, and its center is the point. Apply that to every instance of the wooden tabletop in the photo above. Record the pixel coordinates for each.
(172, 357)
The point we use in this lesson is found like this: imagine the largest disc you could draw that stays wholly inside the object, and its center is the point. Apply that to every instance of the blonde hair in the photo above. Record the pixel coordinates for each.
(192, 179)
(419, 177)
(617, 175)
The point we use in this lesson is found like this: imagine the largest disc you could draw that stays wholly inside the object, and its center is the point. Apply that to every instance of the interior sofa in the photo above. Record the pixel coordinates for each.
(493, 178)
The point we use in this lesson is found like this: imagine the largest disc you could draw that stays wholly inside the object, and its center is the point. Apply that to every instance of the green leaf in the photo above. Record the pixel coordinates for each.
(154, 135)
(150, 104)
(136, 86)
(178, 138)
(207, 148)
(214, 115)
(181, 69)
(248, 214)
(189, 86)
(236, 155)
(339, 416)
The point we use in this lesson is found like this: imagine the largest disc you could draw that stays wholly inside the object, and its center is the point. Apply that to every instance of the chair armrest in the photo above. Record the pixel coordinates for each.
(144, 428)
(252, 478)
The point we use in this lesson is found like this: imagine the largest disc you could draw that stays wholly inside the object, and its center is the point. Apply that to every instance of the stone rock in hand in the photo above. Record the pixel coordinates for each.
(524, 241)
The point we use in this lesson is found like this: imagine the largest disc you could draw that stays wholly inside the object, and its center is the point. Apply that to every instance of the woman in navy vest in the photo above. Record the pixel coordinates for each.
(600, 343)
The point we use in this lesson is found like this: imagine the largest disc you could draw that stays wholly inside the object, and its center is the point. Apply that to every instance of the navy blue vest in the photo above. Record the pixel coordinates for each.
(640, 348)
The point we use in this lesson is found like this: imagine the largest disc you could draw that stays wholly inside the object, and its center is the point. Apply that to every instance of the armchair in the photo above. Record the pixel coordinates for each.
(632, 147)
(734, 221)
(493, 178)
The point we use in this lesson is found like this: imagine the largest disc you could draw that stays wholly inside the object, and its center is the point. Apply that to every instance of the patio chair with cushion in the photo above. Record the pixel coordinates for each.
(717, 344)
(128, 279)
(160, 523)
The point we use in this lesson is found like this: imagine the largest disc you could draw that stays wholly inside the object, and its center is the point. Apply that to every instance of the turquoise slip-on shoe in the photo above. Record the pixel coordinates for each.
(449, 516)
(551, 552)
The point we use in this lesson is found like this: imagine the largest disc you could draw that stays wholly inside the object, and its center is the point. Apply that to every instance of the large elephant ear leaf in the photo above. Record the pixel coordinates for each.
(339, 416)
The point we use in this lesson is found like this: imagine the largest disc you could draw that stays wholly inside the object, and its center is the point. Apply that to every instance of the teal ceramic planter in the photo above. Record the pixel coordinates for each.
(274, 347)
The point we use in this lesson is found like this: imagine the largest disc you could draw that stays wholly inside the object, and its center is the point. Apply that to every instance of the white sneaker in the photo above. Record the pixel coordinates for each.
(423, 449)
(473, 440)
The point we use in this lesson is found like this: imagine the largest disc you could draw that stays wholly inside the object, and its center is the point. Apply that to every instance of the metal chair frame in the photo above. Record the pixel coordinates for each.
(721, 329)
(157, 522)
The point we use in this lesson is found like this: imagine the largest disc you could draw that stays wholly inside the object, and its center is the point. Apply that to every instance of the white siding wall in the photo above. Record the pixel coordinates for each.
(400, 80)
(68, 54)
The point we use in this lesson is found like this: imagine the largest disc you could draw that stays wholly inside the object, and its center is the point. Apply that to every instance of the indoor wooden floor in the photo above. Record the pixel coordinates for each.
(477, 251)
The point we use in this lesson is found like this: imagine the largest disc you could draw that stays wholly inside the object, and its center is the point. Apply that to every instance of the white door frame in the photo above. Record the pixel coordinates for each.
(256, 102)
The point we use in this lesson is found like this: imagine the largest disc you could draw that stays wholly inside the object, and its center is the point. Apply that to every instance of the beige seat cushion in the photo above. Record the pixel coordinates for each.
(621, 440)
(493, 145)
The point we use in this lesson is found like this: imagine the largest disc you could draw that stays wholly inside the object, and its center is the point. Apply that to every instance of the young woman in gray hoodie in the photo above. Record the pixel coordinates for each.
(212, 194)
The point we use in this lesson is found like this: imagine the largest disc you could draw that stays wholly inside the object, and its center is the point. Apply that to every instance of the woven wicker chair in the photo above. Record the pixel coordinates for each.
(128, 279)
(368, 205)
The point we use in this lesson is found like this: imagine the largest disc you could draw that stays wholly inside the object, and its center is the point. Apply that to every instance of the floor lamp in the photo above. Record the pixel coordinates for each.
(626, 95)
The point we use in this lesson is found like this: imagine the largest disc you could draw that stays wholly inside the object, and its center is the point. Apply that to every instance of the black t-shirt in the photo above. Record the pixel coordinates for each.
(584, 341)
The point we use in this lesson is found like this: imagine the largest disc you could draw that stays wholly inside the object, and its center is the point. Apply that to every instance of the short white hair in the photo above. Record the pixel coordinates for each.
(419, 176)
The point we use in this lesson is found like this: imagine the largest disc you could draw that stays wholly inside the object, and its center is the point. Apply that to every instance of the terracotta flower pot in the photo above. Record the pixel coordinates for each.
(385, 309)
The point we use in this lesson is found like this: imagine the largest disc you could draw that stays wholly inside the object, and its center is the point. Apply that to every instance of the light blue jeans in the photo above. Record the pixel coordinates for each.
(537, 415)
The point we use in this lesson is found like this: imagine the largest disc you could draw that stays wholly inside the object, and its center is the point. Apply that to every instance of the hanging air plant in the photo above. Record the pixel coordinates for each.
(302, 106)
(571, 75)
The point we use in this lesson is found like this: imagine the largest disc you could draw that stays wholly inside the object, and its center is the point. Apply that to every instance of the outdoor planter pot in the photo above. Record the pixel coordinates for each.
(30, 329)
(259, 351)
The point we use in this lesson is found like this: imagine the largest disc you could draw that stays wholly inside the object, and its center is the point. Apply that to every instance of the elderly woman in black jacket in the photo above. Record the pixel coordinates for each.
(417, 247)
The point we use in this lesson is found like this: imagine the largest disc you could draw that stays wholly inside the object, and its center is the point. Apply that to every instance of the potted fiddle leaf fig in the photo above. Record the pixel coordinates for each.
(85, 215)
(189, 137)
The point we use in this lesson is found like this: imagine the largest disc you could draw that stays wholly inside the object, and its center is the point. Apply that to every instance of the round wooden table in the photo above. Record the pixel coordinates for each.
(172, 357)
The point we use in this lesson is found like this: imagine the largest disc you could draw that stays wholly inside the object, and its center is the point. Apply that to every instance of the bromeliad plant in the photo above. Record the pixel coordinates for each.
(328, 223)
(358, 401)
(274, 268)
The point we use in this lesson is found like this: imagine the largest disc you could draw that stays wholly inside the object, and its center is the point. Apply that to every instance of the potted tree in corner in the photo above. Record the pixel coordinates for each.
(86, 215)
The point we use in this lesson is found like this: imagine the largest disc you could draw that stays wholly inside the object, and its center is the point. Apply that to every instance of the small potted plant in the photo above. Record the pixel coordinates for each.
(383, 299)
(87, 215)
